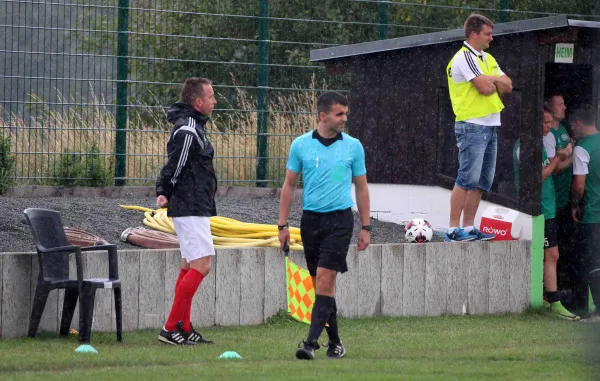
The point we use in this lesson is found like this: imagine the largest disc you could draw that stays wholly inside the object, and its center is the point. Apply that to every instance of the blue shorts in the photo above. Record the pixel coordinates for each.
(477, 147)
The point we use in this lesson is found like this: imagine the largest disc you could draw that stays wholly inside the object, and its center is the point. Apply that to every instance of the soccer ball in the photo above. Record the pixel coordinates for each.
(418, 230)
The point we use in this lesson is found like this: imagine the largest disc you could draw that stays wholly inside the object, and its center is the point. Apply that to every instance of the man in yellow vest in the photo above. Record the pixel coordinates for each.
(475, 82)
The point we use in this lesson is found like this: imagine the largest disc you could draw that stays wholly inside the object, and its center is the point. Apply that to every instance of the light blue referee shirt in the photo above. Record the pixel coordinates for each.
(327, 170)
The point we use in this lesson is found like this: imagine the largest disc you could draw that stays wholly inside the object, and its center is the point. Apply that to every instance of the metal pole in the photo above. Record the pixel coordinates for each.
(122, 77)
(263, 96)
(383, 20)
(504, 17)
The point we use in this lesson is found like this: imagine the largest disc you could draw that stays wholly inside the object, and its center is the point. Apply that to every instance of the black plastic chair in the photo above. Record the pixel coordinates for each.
(53, 250)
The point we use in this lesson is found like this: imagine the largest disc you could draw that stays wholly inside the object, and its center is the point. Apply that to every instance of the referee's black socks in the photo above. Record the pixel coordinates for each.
(332, 327)
(321, 313)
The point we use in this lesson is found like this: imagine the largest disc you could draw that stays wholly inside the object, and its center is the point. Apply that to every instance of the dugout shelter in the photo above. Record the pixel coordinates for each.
(401, 110)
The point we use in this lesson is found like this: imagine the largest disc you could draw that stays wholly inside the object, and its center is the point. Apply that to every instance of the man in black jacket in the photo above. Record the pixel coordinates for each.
(187, 185)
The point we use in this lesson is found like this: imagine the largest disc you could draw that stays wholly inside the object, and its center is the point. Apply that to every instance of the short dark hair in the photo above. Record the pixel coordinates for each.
(586, 114)
(328, 99)
(475, 23)
(551, 96)
(547, 108)
(193, 88)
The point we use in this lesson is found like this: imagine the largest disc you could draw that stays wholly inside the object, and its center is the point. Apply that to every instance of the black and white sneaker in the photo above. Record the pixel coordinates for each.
(174, 337)
(306, 350)
(196, 337)
(335, 350)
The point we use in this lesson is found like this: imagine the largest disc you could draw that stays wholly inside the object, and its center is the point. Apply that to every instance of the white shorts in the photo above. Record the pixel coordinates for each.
(195, 238)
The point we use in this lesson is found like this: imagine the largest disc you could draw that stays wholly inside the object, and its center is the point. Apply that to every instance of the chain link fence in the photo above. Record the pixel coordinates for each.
(85, 84)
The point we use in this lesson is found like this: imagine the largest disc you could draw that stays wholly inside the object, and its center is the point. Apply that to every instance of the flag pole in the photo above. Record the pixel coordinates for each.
(286, 252)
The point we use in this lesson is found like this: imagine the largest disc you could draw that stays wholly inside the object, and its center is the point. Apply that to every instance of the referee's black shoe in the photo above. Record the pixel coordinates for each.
(306, 350)
(335, 350)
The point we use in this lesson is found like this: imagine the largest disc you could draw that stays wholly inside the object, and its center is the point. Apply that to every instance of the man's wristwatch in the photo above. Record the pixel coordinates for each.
(281, 227)
(367, 228)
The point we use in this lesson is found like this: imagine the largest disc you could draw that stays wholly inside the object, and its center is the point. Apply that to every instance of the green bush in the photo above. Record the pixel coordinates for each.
(69, 169)
(98, 171)
(89, 169)
(7, 165)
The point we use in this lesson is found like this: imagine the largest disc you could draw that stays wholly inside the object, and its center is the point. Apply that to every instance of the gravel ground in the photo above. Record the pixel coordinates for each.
(104, 217)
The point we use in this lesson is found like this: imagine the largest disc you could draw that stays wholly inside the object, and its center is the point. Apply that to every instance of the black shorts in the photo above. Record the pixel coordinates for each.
(326, 239)
(550, 233)
(589, 245)
(565, 230)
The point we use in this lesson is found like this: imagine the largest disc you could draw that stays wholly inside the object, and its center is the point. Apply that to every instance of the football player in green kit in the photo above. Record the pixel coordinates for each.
(551, 250)
(585, 197)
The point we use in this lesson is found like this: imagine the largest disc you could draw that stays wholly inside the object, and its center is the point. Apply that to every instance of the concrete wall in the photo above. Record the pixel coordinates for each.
(247, 286)
(401, 203)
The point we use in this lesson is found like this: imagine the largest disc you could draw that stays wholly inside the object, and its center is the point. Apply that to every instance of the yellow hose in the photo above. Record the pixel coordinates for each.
(226, 232)
(263, 242)
(135, 207)
(158, 217)
(155, 226)
(264, 234)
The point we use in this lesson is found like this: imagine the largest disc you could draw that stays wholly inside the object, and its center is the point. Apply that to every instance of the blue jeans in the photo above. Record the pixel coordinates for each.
(477, 148)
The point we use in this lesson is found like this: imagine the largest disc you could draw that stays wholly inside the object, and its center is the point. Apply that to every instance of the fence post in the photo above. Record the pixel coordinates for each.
(122, 77)
(504, 17)
(383, 20)
(263, 101)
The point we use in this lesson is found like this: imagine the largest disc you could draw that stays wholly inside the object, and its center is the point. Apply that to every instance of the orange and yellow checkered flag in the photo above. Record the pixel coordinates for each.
(300, 291)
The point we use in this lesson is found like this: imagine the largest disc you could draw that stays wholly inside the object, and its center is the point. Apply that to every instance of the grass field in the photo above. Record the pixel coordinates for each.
(509, 347)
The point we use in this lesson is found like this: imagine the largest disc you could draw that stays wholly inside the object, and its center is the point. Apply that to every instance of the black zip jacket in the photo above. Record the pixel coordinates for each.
(188, 178)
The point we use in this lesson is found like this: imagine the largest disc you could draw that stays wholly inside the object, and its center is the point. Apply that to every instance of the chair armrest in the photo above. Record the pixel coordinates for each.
(79, 268)
(78, 260)
(59, 249)
(99, 247)
(113, 261)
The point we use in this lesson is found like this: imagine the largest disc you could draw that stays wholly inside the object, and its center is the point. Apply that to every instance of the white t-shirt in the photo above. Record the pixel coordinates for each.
(467, 66)
(581, 159)
(550, 145)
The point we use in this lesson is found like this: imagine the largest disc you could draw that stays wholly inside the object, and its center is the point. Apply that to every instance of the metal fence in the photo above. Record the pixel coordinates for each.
(85, 84)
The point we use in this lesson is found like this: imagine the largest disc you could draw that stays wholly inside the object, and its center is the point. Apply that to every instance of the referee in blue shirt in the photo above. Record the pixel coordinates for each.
(330, 161)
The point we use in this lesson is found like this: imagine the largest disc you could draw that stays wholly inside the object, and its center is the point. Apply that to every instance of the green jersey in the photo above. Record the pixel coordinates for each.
(587, 162)
(562, 181)
(548, 194)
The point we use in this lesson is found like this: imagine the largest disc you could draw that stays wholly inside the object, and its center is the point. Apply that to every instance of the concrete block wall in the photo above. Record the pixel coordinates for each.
(247, 286)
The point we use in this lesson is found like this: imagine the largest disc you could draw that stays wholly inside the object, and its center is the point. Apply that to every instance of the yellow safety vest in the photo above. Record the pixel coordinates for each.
(467, 102)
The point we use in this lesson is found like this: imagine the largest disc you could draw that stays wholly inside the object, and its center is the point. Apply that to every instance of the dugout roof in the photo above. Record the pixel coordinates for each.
(523, 26)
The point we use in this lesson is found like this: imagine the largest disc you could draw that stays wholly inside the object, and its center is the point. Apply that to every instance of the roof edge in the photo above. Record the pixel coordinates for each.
(425, 39)
(584, 23)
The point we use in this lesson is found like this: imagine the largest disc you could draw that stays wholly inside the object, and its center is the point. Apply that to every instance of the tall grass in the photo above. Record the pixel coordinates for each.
(38, 142)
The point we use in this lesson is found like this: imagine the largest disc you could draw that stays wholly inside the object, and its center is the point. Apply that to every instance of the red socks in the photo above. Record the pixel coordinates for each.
(182, 273)
(186, 287)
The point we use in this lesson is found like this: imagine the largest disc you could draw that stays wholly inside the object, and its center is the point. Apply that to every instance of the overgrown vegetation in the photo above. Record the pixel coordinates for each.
(7, 165)
(214, 38)
(75, 146)
(74, 138)
(90, 169)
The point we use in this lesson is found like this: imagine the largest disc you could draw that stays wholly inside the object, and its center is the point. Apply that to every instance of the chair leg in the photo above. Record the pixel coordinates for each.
(86, 313)
(119, 314)
(39, 303)
(69, 304)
